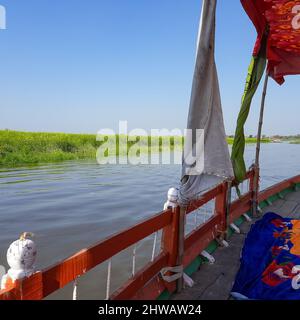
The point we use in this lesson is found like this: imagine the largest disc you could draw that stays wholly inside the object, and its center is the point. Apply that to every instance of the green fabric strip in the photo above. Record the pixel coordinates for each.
(255, 73)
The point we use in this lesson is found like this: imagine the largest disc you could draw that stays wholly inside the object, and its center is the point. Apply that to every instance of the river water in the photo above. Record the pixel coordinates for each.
(71, 205)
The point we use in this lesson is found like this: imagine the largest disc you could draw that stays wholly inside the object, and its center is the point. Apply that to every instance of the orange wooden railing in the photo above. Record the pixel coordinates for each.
(147, 282)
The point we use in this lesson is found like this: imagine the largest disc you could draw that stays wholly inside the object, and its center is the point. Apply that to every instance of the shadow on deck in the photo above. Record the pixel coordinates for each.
(214, 282)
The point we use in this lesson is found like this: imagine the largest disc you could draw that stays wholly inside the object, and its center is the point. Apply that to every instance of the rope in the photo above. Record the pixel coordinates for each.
(26, 235)
(154, 246)
(178, 273)
(75, 287)
(108, 280)
(134, 259)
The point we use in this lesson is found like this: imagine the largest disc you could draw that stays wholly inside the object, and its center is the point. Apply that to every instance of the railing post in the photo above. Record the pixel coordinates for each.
(254, 189)
(222, 207)
(170, 243)
(181, 227)
(251, 182)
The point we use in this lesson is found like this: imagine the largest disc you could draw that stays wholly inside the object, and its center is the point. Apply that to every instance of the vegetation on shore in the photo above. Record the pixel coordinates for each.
(19, 148)
(249, 140)
(295, 141)
(290, 139)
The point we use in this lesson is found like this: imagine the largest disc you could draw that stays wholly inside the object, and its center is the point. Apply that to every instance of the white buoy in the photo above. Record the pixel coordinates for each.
(172, 201)
(21, 257)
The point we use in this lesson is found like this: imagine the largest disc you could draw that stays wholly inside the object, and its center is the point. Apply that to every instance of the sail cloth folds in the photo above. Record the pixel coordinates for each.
(207, 141)
(255, 73)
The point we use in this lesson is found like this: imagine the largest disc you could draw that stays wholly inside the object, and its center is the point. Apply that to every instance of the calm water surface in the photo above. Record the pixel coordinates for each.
(71, 205)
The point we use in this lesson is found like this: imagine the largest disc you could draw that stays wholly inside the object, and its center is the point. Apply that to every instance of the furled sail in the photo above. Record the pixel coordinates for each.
(255, 72)
(206, 160)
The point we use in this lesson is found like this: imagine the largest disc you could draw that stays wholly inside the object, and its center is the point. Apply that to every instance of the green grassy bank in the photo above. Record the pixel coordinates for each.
(18, 148)
(250, 140)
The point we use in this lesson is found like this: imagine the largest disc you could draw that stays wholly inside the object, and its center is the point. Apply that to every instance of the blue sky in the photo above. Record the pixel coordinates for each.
(81, 66)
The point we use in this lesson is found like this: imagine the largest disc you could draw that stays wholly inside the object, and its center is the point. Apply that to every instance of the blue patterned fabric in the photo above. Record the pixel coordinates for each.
(270, 260)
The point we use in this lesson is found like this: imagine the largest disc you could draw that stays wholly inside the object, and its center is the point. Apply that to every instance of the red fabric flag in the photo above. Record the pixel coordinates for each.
(281, 20)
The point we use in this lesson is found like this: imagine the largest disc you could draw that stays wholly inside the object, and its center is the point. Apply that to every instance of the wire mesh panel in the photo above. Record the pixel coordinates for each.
(243, 188)
(199, 216)
(104, 279)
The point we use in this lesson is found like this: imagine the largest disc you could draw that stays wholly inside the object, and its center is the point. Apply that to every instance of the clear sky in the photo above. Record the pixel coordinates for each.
(81, 66)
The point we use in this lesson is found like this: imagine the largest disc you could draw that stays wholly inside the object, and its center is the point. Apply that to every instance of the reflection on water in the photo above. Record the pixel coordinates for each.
(71, 205)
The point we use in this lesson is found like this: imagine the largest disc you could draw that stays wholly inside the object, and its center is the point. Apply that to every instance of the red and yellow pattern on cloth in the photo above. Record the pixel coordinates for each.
(289, 233)
(281, 20)
(288, 236)
(270, 261)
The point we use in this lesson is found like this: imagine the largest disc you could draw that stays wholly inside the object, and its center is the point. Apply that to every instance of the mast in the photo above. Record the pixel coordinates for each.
(258, 144)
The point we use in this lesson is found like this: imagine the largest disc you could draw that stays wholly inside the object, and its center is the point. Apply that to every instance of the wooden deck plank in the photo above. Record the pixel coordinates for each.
(296, 212)
(275, 206)
(214, 282)
(293, 196)
(286, 209)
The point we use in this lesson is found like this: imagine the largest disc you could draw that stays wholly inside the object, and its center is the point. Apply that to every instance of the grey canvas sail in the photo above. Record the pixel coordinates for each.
(206, 160)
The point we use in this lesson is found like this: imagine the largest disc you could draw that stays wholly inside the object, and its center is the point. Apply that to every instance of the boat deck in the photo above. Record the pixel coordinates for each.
(214, 282)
